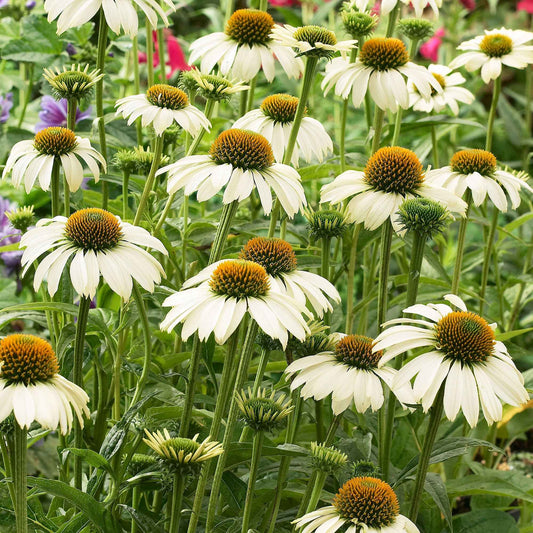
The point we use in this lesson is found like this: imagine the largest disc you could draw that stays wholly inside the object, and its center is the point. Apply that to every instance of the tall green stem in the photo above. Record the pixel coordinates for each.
(149, 185)
(176, 503)
(77, 378)
(147, 341)
(162, 59)
(385, 432)
(489, 247)
(55, 189)
(350, 282)
(242, 372)
(149, 54)
(492, 113)
(307, 84)
(318, 485)
(125, 185)
(415, 266)
(379, 115)
(393, 15)
(344, 113)
(72, 106)
(100, 65)
(20, 474)
(423, 463)
(136, 83)
(460, 247)
(252, 477)
(434, 147)
(285, 462)
(220, 408)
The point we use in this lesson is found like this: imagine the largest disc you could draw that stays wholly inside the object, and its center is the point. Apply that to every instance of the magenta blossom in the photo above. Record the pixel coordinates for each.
(430, 49)
(54, 113)
(175, 56)
(525, 5)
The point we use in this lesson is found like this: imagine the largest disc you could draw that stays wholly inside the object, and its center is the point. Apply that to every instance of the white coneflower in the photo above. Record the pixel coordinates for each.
(32, 160)
(362, 505)
(161, 106)
(274, 120)
(380, 68)
(464, 358)
(240, 161)
(450, 95)
(386, 6)
(351, 374)
(477, 171)
(32, 389)
(277, 257)
(311, 40)
(119, 14)
(392, 175)
(100, 244)
(219, 304)
(494, 49)
(245, 47)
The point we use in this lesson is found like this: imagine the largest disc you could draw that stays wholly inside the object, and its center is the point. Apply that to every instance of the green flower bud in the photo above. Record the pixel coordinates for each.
(357, 23)
(416, 29)
(73, 82)
(327, 459)
(326, 223)
(423, 216)
(137, 161)
(21, 218)
(263, 411)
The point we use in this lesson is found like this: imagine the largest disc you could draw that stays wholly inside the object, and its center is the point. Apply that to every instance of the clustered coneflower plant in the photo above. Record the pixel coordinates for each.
(279, 277)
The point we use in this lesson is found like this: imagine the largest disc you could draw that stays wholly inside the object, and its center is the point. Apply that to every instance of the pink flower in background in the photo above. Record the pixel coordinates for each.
(469, 4)
(284, 3)
(525, 5)
(430, 49)
(175, 56)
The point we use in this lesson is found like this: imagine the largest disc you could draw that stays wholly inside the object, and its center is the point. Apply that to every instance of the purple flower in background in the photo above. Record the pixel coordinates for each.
(4, 3)
(54, 113)
(6, 103)
(70, 49)
(30, 4)
(9, 235)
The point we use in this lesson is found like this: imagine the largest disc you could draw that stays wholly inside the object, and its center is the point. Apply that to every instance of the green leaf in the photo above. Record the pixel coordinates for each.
(485, 521)
(39, 42)
(495, 482)
(233, 490)
(74, 524)
(510, 334)
(436, 488)
(93, 510)
(145, 523)
(445, 449)
(91, 457)
(241, 452)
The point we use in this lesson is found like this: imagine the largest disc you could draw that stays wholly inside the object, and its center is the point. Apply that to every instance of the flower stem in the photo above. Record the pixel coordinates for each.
(220, 408)
(350, 282)
(415, 266)
(149, 54)
(19, 478)
(162, 61)
(257, 383)
(379, 115)
(177, 502)
(489, 247)
(435, 146)
(318, 485)
(307, 85)
(285, 462)
(149, 185)
(72, 106)
(54, 186)
(384, 431)
(492, 113)
(125, 184)
(136, 83)
(242, 372)
(100, 64)
(344, 113)
(392, 20)
(188, 404)
(147, 338)
(460, 247)
(423, 463)
(252, 477)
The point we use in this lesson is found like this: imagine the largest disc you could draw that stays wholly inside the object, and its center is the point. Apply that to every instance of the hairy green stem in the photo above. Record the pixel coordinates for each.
(176, 503)
(489, 247)
(379, 115)
(149, 54)
(242, 372)
(100, 65)
(77, 378)
(460, 247)
(19, 478)
(344, 113)
(147, 338)
(350, 282)
(149, 185)
(423, 463)
(492, 113)
(252, 477)
(55, 188)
